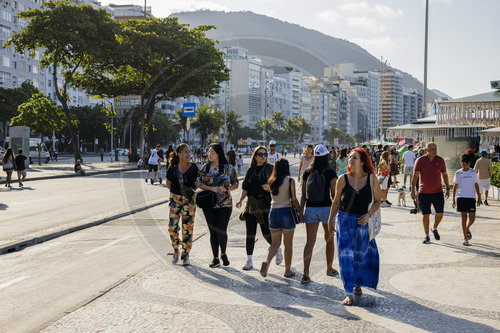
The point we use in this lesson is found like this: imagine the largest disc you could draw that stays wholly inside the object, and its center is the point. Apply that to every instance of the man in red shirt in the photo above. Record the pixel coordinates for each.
(428, 170)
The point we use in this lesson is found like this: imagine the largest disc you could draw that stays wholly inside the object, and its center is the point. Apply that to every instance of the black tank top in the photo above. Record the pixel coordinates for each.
(355, 202)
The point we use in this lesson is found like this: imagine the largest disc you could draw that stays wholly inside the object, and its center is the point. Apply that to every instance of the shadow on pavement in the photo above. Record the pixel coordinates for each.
(3, 206)
(472, 249)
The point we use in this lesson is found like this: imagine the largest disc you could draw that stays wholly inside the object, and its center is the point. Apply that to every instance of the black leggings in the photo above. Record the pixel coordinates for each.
(251, 222)
(217, 221)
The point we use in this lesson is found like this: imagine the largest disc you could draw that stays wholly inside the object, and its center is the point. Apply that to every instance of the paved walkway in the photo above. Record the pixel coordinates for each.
(441, 287)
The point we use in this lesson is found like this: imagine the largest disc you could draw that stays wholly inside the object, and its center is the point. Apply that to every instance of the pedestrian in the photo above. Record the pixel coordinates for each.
(8, 160)
(258, 204)
(101, 152)
(466, 181)
(181, 178)
(152, 166)
(161, 158)
(78, 168)
(409, 158)
(485, 171)
(231, 157)
(473, 157)
(318, 189)
(285, 151)
(20, 166)
(281, 223)
(384, 176)
(341, 163)
(55, 154)
(428, 170)
(394, 165)
(333, 159)
(273, 153)
(305, 160)
(218, 176)
(240, 163)
(357, 250)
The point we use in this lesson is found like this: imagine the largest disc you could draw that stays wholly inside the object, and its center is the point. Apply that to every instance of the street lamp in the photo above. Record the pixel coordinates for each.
(425, 55)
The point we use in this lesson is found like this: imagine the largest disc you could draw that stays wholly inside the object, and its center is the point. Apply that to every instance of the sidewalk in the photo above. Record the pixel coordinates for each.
(441, 287)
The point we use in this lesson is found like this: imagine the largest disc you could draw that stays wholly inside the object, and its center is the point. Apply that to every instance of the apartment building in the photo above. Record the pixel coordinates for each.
(391, 98)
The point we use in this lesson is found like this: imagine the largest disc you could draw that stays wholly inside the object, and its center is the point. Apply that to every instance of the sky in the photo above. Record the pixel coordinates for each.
(464, 47)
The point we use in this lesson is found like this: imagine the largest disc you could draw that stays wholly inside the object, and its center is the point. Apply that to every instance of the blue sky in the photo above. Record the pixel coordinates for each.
(464, 47)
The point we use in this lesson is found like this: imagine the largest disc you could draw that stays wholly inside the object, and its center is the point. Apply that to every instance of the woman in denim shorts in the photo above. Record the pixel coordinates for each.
(281, 224)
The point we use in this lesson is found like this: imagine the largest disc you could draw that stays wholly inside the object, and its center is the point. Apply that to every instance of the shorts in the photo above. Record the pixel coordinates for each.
(384, 185)
(484, 185)
(21, 173)
(425, 201)
(317, 214)
(281, 218)
(408, 170)
(467, 205)
(153, 167)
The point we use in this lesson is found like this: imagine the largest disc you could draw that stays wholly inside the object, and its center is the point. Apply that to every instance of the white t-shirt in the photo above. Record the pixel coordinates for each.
(271, 159)
(466, 181)
(409, 158)
(153, 158)
(240, 161)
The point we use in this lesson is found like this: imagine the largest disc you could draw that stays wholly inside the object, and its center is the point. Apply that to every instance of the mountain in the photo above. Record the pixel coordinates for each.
(286, 44)
(442, 94)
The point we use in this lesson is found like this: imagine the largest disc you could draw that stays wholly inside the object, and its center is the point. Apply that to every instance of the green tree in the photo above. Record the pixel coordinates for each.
(10, 99)
(279, 120)
(164, 130)
(266, 126)
(161, 59)
(303, 128)
(72, 40)
(41, 115)
(207, 122)
(90, 122)
(234, 125)
(330, 134)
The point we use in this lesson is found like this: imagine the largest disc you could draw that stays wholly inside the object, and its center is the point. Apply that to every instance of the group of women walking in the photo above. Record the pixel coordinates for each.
(342, 204)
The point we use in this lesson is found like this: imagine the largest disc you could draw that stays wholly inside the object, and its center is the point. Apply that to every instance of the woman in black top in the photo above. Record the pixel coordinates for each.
(181, 177)
(259, 202)
(356, 245)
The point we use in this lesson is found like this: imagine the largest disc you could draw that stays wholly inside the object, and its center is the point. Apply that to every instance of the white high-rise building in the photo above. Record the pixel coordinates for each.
(391, 99)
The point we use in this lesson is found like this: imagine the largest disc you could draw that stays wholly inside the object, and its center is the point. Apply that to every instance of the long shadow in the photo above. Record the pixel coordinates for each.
(472, 249)
(284, 294)
(22, 188)
(281, 296)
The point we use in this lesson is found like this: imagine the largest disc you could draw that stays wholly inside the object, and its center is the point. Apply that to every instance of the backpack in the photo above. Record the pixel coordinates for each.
(315, 187)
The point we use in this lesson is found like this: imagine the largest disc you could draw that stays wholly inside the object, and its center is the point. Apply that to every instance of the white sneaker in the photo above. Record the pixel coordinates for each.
(279, 257)
(248, 266)
(385, 204)
(175, 259)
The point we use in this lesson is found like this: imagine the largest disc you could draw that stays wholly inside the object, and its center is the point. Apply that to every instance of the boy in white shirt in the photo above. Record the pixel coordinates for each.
(239, 161)
(409, 158)
(467, 183)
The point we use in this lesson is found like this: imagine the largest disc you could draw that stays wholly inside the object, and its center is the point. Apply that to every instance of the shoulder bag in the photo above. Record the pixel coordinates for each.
(293, 210)
(375, 223)
(207, 199)
(186, 191)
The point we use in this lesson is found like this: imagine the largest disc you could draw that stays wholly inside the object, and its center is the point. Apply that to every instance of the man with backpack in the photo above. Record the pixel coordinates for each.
(318, 189)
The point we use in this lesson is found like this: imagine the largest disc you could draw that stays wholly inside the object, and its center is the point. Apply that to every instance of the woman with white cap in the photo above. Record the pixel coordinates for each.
(318, 189)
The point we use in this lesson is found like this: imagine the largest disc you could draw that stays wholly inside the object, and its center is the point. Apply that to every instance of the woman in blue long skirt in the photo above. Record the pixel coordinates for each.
(358, 255)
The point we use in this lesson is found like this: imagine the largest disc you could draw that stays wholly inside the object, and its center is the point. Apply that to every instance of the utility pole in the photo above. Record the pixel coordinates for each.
(225, 118)
(425, 57)
(112, 130)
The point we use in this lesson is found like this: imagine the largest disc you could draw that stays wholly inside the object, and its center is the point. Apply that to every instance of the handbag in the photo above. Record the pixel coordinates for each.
(375, 223)
(206, 199)
(293, 210)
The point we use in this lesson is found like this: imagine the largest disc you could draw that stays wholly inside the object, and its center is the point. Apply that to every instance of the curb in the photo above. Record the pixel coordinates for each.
(92, 173)
(21, 245)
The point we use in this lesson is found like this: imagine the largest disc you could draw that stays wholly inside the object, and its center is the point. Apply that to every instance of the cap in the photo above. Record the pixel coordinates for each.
(470, 151)
(320, 150)
(272, 143)
(484, 153)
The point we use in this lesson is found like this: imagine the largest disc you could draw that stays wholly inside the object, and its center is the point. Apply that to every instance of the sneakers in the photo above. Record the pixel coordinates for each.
(466, 243)
(152, 181)
(185, 261)
(21, 184)
(175, 258)
(427, 240)
(385, 204)
(279, 257)
(248, 266)
(388, 202)
(215, 263)
(469, 235)
(486, 202)
(225, 261)
(436, 234)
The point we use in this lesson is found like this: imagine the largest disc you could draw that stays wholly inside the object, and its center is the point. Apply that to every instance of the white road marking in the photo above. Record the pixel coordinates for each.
(6, 284)
(106, 245)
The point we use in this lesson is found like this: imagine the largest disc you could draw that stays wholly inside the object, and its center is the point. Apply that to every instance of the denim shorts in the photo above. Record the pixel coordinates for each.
(281, 218)
(317, 214)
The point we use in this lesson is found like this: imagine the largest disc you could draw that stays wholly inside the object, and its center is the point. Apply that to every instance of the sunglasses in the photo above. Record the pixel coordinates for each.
(262, 154)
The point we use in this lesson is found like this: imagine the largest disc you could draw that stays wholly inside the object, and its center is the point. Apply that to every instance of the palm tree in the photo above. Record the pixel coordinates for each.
(206, 122)
(303, 128)
(279, 120)
(182, 122)
(266, 126)
(234, 124)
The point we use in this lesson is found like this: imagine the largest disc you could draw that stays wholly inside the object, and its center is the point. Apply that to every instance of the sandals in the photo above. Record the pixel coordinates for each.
(347, 301)
(469, 235)
(263, 269)
(334, 272)
(305, 279)
(290, 275)
(358, 291)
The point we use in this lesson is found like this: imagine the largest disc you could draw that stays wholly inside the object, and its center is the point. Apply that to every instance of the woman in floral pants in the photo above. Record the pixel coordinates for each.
(181, 177)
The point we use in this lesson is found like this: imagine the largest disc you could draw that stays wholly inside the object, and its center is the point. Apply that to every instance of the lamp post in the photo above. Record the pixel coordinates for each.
(225, 117)
(425, 56)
